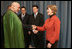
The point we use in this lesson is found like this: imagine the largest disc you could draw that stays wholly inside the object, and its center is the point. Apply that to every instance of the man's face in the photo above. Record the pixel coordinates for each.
(35, 9)
(49, 11)
(23, 10)
(18, 8)
(15, 7)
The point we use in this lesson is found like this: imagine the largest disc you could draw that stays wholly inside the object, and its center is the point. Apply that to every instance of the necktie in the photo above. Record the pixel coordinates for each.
(34, 16)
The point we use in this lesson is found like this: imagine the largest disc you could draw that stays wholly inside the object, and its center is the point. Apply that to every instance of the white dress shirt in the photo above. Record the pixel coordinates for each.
(22, 16)
(35, 15)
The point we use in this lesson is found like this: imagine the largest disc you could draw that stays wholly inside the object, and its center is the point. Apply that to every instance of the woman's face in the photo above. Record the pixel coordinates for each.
(49, 11)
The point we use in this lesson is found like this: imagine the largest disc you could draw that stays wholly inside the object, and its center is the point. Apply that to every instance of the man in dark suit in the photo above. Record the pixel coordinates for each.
(25, 18)
(37, 40)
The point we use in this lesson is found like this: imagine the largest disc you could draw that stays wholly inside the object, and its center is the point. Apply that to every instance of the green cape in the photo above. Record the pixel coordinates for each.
(13, 31)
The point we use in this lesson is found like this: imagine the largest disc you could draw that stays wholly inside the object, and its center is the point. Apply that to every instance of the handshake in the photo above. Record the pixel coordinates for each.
(34, 29)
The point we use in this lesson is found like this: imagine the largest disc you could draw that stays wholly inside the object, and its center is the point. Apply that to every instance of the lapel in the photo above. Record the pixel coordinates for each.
(37, 17)
(33, 16)
(20, 17)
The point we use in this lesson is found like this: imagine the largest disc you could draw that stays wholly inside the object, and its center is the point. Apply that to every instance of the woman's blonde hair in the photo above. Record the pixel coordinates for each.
(53, 8)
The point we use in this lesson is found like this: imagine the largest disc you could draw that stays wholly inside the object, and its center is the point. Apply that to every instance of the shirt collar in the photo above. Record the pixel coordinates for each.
(23, 14)
(36, 13)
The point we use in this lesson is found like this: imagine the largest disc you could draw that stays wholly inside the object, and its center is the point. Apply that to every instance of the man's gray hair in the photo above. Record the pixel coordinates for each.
(13, 3)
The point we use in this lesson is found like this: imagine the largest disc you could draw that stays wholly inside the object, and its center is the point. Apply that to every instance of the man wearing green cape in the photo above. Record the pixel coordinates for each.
(13, 31)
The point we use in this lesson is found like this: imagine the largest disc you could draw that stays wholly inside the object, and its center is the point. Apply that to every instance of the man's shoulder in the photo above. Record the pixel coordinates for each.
(7, 13)
(19, 15)
(27, 14)
(40, 14)
(11, 13)
(31, 15)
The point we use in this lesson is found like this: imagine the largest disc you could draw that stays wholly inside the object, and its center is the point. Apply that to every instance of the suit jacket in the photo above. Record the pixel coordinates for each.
(25, 22)
(26, 27)
(38, 21)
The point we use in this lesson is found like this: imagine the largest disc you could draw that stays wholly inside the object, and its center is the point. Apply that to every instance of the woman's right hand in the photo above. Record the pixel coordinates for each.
(49, 45)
